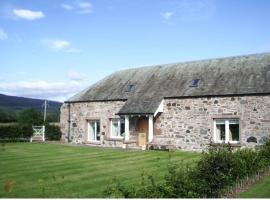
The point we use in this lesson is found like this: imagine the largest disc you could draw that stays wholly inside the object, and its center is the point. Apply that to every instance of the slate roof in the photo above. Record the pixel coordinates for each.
(241, 75)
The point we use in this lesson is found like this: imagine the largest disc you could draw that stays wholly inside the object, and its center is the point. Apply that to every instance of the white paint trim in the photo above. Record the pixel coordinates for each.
(215, 139)
(150, 128)
(95, 130)
(227, 131)
(119, 128)
(160, 108)
(126, 127)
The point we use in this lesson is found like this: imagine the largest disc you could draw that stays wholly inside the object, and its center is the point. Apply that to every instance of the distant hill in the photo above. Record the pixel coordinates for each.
(13, 103)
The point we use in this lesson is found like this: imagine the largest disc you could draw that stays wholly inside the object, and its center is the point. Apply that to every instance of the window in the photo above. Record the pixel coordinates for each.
(226, 130)
(131, 88)
(195, 83)
(117, 128)
(94, 130)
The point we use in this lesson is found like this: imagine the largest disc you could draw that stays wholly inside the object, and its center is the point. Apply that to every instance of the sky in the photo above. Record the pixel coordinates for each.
(52, 49)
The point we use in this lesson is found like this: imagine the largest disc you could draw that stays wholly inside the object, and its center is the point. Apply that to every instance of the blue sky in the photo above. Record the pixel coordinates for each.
(54, 48)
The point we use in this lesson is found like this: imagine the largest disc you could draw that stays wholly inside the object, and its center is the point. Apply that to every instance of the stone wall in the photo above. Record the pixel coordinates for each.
(188, 123)
(185, 123)
(80, 113)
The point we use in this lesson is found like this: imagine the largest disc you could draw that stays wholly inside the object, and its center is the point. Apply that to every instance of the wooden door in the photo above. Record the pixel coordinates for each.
(143, 130)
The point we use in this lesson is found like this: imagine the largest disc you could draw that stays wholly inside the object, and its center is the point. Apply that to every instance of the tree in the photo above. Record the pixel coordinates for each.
(30, 117)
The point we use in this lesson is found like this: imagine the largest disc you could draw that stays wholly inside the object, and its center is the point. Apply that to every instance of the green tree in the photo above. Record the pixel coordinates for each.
(30, 117)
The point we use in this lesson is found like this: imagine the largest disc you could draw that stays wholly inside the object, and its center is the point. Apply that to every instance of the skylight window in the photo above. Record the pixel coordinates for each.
(195, 82)
(131, 88)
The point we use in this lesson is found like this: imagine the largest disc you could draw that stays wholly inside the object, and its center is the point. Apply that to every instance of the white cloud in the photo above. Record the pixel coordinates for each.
(60, 45)
(42, 89)
(28, 14)
(188, 11)
(3, 35)
(76, 76)
(167, 15)
(67, 7)
(82, 7)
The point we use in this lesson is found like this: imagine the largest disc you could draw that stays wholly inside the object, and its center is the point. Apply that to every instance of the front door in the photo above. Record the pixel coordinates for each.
(143, 130)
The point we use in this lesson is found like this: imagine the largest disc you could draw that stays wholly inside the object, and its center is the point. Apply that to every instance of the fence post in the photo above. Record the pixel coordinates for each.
(43, 135)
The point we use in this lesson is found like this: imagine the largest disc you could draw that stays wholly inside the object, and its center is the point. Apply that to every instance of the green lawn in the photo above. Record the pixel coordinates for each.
(260, 190)
(54, 170)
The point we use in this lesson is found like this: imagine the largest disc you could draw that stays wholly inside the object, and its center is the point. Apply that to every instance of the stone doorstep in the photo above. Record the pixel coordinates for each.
(114, 139)
(156, 146)
(129, 141)
(92, 143)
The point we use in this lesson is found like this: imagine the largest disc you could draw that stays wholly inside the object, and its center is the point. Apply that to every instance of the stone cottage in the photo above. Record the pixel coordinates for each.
(183, 105)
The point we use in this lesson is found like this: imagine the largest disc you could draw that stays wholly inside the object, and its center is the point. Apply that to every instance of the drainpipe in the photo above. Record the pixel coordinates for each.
(68, 122)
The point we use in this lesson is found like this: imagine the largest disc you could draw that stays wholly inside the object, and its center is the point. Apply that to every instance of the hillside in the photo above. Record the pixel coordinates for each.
(13, 103)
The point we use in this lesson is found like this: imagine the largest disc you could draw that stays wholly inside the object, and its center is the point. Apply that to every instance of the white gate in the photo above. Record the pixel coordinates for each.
(38, 133)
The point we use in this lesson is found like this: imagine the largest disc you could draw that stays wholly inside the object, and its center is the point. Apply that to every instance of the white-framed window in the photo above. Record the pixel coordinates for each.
(226, 130)
(93, 130)
(117, 128)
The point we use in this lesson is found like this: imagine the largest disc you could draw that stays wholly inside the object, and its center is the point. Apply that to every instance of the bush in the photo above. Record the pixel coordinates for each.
(177, 184)
(264, 153)
(52, 132)
(14, 132)
(217, 169)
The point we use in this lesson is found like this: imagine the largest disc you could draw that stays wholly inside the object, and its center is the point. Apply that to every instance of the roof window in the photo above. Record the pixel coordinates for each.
(195, 82)
(130, 88)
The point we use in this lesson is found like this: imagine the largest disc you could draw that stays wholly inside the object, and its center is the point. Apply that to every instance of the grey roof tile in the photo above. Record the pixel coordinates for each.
(248, 74)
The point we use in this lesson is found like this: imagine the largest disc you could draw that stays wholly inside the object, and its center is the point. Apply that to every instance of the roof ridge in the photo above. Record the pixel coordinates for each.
(193, 61)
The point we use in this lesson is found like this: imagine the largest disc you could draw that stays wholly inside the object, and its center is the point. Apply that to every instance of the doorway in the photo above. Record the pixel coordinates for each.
(143, 130)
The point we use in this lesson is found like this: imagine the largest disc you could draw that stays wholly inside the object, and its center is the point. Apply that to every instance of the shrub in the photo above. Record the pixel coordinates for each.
(248, 161)
(214, 171)
(14, 132)
(218, 168)
(264, 153)
(52, 132)
(176, 185)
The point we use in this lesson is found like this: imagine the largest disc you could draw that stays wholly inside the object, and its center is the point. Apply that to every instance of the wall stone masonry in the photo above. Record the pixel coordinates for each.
(185, 124)
(188, 123)
(80, 113)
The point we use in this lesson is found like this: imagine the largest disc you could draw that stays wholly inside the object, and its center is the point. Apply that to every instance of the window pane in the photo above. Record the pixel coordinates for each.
(114, 128)
(122, 128)
(91, 131)
(234, 132)
(220, 131)
(98, 131)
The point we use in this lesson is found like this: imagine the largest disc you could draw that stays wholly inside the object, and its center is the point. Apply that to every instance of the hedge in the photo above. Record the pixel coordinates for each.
(12, 132)
(218, 169)
(18, 133)
(52, 132)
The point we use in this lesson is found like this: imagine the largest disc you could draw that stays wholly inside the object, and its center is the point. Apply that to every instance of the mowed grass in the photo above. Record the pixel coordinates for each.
(260, 190)
(55, 170)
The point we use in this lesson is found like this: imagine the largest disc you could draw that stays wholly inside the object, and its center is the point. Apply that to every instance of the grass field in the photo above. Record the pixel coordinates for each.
(260, 190)
(54, 170)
